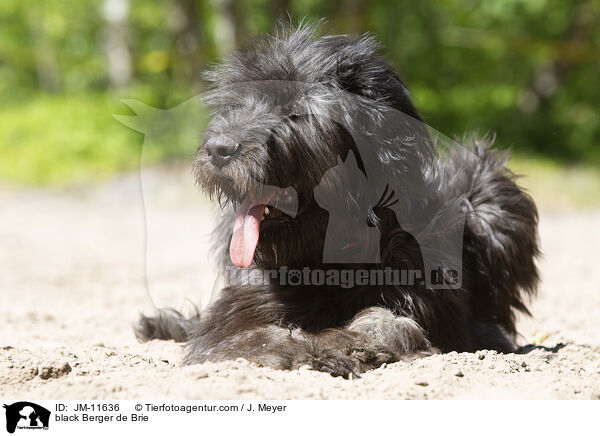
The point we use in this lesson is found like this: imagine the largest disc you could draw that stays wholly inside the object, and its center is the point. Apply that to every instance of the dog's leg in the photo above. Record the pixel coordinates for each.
(492, 336)
(375, 336)
(167, 324)
(389, 337)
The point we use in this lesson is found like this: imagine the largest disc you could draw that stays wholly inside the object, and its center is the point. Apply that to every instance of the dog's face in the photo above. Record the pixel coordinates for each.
(268, 132)
(280, 119)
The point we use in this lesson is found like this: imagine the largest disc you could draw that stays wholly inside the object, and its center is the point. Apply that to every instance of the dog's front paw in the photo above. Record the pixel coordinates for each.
(333, 362)
(373, 357)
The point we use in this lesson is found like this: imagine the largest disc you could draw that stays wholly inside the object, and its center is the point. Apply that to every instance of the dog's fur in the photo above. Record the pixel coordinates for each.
(329, 328)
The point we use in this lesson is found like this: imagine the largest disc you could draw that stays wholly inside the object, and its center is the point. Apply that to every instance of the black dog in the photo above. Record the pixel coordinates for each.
(301, 122)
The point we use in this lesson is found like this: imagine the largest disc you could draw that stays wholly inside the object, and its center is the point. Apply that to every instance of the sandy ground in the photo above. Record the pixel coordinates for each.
(73, 283)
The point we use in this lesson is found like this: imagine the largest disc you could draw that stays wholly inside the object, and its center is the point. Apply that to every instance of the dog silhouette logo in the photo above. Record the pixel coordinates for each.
(26, 415)
(350, 235)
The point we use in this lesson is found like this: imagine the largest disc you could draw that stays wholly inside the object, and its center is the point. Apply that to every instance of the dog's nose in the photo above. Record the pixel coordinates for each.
(221, 149)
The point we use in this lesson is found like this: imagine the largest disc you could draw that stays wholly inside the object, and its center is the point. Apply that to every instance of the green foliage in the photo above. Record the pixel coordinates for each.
(525, 69)
(57, 139)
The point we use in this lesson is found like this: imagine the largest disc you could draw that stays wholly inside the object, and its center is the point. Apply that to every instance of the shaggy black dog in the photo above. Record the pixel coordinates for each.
(324, 168)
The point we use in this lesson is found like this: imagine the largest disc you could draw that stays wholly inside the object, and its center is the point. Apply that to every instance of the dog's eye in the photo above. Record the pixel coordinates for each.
(295, 112)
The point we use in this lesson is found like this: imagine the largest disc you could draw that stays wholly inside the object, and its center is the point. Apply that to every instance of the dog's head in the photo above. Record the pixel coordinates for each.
(285, 111)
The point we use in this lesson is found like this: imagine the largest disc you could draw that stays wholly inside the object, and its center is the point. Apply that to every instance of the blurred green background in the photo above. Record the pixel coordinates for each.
(528, 70)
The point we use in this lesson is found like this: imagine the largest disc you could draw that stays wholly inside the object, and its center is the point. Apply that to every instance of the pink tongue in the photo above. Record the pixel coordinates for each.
(245, 235)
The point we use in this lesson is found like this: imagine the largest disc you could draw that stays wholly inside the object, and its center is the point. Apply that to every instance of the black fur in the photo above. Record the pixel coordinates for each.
(330, 328)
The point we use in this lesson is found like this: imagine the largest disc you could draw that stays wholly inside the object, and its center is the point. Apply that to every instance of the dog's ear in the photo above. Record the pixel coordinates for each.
(361, 71)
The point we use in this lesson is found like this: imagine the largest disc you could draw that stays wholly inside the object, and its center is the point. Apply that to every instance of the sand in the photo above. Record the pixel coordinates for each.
(73, 283)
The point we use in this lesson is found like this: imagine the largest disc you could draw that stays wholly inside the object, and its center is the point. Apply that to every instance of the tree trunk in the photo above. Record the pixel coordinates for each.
(46, 61)
(184, 24)
(230, 25)
(115, 42)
